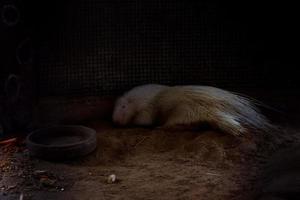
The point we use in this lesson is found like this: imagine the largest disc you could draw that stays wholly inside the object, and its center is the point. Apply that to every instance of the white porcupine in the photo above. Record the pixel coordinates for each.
(189, 105)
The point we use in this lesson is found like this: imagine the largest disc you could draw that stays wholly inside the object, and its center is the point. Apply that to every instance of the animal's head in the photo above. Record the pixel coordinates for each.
(124, 111)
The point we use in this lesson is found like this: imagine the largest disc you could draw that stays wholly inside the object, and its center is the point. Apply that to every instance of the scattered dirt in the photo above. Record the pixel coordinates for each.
(148, 164)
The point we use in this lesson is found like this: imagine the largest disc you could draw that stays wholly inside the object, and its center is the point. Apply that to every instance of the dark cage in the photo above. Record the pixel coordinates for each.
(102, 48)
(64, 62)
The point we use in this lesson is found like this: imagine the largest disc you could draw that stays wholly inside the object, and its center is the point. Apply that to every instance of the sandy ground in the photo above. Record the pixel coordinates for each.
(148, 163)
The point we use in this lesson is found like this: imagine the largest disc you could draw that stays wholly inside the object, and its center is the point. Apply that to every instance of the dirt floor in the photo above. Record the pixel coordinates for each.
(148, 164)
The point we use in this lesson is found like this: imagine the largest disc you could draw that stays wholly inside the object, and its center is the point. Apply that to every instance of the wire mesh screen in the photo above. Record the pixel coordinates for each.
(103, 47)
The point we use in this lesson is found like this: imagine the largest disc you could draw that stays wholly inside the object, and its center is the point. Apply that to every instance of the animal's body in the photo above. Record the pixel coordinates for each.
(191, 105)
(134, 106)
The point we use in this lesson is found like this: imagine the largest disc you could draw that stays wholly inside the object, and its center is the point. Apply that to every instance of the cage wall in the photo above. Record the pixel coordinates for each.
(103, 47)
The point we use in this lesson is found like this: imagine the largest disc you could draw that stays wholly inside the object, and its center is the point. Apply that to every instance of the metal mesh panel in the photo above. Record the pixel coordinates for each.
(101, 47)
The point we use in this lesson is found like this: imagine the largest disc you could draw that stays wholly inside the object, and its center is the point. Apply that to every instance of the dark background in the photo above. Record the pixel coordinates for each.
(103, 47)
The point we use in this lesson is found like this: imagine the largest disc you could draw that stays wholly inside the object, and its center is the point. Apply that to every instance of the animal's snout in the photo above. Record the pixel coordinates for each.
(119, 121)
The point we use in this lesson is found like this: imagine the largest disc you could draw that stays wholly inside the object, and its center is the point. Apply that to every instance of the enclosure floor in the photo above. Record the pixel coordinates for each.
(148, 163)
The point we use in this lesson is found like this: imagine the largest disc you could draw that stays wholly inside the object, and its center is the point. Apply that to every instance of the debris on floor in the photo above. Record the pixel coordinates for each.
(152, 164)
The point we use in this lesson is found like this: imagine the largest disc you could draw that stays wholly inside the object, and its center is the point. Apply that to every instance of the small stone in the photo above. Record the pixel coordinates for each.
(39, 172)
(111, 178)
(47, 182)
(21, 196)
(11, 187)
